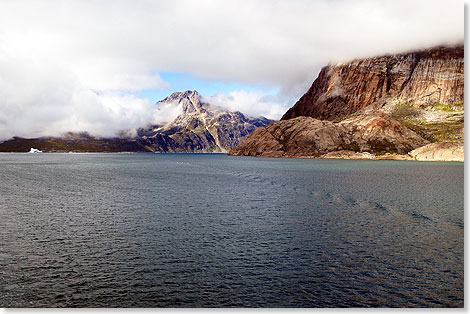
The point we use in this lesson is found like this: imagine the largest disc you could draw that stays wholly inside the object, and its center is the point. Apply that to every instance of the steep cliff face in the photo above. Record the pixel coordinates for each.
(200, 127)
(419, 78)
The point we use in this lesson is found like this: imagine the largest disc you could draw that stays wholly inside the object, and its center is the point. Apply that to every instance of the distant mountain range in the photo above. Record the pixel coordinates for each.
(199, 127)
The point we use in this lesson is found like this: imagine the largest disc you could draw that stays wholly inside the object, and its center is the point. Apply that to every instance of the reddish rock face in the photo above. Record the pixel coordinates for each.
(419, 78)
(309, 137)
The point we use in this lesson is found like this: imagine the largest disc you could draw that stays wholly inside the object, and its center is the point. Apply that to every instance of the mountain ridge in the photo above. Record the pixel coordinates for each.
(198, 127)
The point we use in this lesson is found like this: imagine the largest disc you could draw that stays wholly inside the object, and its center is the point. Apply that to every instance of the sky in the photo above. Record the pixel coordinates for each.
(100, 66)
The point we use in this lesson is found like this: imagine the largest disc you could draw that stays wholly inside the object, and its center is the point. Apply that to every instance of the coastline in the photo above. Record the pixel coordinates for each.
(357, 156)
(345, 155)
(394, 158)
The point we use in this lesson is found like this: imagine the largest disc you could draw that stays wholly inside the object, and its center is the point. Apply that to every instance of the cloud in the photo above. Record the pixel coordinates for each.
(165, 112)
(251, 103)
(39, 98)
(79, 63)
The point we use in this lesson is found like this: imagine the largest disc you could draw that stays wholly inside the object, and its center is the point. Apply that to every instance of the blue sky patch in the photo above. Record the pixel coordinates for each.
(179, 82)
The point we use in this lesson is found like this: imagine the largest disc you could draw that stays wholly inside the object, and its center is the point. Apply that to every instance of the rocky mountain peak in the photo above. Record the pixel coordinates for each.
(190, 101)
(200, 126)
(177, 96)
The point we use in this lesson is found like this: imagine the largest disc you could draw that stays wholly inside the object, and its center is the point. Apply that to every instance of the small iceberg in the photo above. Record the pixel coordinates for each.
(34, 151)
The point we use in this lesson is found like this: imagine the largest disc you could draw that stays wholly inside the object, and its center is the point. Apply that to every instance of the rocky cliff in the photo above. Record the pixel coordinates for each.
(200, 127)
(385, 105)
(422, 78)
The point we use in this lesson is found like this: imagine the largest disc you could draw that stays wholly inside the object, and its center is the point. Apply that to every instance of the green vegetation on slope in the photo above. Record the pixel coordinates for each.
(437, 132)
(446, 126)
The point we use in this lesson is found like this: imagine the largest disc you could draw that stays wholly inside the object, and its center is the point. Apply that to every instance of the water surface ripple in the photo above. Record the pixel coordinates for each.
(148, 230)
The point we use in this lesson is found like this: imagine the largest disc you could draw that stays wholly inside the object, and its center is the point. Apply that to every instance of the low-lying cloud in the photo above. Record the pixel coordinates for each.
(166, 112)
(78, 65)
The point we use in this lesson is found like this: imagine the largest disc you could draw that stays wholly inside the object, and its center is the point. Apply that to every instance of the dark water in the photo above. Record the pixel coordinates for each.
(144, 230)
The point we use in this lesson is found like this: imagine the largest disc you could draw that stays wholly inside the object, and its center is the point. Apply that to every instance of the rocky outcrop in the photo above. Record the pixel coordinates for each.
(200, 127)
(439, 152)
(306, 136)
(418, 78)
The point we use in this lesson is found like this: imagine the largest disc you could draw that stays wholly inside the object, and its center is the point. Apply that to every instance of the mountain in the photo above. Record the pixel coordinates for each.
(199, 127)
(422, 78)
(384, 105)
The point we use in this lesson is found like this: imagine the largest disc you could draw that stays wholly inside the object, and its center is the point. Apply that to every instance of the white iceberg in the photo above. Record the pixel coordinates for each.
(34, 150)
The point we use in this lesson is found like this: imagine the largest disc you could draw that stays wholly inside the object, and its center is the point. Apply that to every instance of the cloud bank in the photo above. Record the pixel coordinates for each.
(77, 65)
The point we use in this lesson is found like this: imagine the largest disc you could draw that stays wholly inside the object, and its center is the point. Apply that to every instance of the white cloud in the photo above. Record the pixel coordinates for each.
(54, 53)
(39, 98)
(165, 112)
(253, 104)
(102, 75)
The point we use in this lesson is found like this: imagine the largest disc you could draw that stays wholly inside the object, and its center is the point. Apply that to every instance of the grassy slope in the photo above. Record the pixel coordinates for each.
(436, 123)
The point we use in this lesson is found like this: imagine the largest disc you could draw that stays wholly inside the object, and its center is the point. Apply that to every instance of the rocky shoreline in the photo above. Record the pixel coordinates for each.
(431, 152)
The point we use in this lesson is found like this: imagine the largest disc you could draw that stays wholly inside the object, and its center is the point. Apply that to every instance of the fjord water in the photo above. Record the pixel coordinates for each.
(145, 230)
